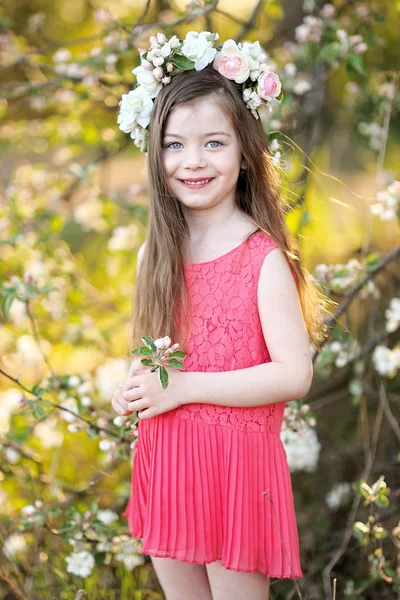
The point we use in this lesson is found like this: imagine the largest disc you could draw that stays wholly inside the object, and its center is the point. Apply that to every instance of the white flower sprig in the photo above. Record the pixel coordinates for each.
(160, 354)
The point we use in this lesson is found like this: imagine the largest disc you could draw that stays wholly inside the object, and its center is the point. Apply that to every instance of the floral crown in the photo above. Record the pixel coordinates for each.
(245, 63)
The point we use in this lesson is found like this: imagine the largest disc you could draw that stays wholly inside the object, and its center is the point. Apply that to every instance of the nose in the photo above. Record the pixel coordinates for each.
(193, 159)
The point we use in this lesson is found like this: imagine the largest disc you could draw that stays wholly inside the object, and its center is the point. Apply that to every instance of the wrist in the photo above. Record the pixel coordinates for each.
(186, 395)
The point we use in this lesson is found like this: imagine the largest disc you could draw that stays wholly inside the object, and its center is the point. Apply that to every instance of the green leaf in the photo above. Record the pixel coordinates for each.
(379, 532)
(147, 362)
(6, 303)
(382, 502)
(177, 354)
(181, 63)
(356, 63)
(92, 433)
(149, 342)
(38, 411)
(163, 376)
(329, 52)
(142, 351)
(176, 364)
(38, 391)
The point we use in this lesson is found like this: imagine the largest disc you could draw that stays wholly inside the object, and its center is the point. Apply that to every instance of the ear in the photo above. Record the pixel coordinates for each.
(243, 164)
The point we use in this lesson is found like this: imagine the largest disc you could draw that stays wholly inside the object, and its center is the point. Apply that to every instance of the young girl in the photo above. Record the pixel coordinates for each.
(211, 494)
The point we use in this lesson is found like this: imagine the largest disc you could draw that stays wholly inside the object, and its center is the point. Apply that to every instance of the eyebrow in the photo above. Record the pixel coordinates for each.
(176, 135)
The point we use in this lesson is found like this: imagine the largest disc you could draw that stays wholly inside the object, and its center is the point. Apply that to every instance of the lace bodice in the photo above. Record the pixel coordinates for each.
(226, 330)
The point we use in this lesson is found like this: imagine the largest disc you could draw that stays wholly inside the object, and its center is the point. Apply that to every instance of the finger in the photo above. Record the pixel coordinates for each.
(133, 394)
(131, 383)
(121, 407)
(146, 414)
(137, 405)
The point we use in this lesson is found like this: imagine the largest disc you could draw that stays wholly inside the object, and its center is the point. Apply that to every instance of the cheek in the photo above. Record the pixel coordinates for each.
(170, 164)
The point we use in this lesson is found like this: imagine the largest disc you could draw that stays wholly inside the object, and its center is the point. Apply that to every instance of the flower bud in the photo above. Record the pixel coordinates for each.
(166, 80)
(161, 39)
(170, 67)
(167, 341)
(153, 42)
(361, 48)
(158, 73)
(158, 61)
(146, 64)
(174, 42)
(355, 39)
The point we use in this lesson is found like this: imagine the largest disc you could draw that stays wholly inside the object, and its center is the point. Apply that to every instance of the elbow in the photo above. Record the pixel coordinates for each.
(304, 383)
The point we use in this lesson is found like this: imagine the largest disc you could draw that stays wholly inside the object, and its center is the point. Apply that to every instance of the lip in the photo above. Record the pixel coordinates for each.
(194, 185)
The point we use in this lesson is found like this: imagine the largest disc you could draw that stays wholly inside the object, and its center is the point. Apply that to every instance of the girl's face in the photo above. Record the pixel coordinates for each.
(202, 157)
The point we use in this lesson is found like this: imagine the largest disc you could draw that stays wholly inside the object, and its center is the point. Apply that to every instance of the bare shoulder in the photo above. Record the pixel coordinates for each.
(276, 268)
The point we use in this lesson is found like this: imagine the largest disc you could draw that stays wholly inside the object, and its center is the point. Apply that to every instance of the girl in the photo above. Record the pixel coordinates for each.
(211, 494)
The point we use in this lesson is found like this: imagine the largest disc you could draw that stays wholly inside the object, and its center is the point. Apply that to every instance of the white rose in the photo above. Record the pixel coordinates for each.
(136, 109)
(146, 79)
(198, 48)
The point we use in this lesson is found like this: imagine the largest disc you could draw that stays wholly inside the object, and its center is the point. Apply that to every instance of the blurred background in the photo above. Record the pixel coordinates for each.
(73, 213)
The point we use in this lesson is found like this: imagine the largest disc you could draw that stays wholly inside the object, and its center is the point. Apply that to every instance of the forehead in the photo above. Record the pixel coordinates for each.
(194, 116)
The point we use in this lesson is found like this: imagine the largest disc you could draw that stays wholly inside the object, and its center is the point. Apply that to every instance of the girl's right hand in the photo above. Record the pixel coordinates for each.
(117, 402)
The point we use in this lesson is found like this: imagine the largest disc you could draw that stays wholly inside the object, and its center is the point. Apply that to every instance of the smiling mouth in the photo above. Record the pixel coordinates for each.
(199, 183)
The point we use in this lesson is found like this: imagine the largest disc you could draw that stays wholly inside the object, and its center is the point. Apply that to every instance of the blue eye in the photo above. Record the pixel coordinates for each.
(173, 144)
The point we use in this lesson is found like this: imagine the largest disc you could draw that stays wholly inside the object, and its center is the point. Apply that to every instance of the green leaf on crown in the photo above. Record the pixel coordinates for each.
(181, 63)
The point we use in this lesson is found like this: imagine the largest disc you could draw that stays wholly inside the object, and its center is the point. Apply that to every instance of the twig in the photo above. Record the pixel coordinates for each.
(68, 410)
(352, 293)
(356, 502)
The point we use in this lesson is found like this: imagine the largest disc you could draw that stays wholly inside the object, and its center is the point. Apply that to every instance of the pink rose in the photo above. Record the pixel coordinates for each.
(269, 86)
(232, 63)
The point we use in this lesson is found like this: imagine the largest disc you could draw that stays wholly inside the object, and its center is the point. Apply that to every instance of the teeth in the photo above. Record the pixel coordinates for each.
(196, 182)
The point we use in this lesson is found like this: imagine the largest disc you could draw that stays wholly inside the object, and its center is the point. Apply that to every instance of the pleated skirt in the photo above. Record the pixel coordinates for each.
(202, 492)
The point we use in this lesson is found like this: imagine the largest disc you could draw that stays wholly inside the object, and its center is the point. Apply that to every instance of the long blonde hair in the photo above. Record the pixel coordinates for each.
(160, 285)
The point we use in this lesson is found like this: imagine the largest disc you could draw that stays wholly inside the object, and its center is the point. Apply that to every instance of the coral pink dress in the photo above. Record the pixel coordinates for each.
(211, 482)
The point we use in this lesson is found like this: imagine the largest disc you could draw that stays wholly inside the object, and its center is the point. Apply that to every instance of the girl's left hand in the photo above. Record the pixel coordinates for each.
(146, 395)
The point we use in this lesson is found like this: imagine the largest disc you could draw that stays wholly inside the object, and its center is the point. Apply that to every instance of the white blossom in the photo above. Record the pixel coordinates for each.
(198, 48)
(392, 315)
(109, 375)
(47, 432)
(337, 495)
(128, 554)
(310, 30)
(80, 563)
(124, 238)
(13, 545)
(107, 516)
(302, 449)
(146, 79)
(162, 343)
(12, 455)
(136, 109)
(386, 361)
(301, 86)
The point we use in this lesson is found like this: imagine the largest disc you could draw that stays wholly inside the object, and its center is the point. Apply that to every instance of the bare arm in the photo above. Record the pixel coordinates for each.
(289, 374)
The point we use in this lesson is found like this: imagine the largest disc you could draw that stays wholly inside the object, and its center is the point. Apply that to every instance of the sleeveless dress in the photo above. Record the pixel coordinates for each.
(212, 482)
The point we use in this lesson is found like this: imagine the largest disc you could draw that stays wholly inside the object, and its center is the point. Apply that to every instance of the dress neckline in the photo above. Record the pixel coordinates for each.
(207, 262)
